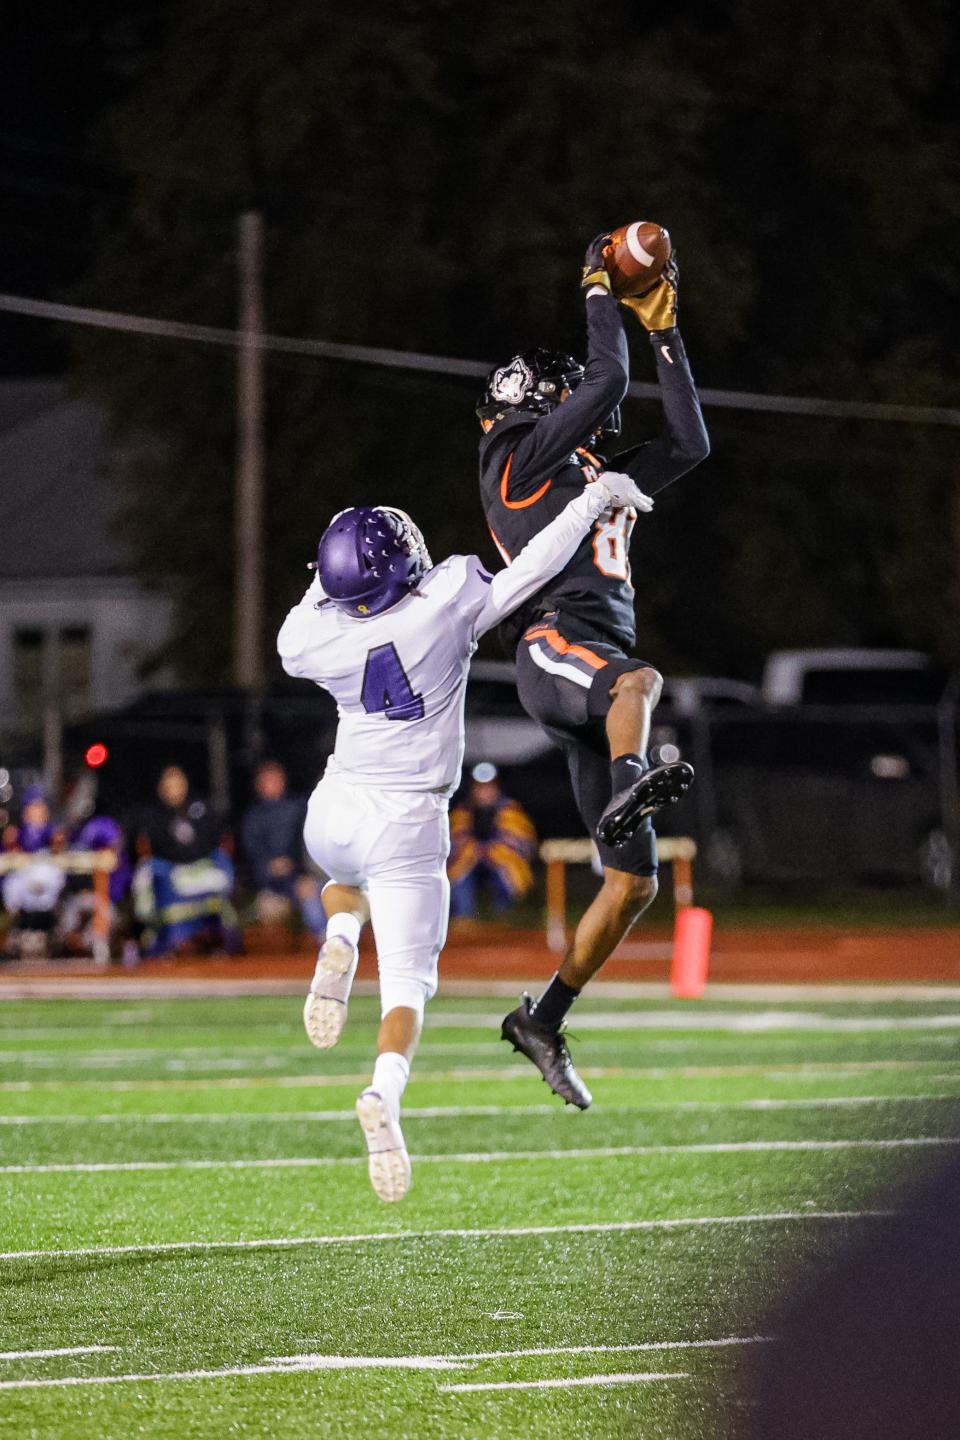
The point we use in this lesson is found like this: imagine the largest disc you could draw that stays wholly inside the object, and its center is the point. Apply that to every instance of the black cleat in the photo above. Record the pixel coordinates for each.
(547, 1049)
(652, 791)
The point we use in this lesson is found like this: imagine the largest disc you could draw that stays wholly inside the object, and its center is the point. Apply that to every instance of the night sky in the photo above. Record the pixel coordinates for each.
(807, 179)
(59, 74)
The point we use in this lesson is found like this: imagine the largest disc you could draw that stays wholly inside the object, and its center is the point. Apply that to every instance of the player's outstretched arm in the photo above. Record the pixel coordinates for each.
(606, 376)
(555, 545)
(684, 442)
(294, 636)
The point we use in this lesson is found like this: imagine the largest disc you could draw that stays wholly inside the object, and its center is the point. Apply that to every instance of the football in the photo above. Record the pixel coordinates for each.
(636, 256)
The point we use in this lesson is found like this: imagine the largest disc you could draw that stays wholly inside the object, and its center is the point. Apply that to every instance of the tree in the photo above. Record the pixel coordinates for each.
(427, 191)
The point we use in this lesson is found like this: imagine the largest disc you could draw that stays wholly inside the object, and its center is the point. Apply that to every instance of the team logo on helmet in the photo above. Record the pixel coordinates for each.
(511, 382)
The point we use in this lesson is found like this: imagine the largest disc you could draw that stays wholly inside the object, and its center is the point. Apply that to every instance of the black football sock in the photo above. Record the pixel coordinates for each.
(554, 1003)
(626, 771)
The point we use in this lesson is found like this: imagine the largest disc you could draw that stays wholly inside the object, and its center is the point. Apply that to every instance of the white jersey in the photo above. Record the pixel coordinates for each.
(399, 678)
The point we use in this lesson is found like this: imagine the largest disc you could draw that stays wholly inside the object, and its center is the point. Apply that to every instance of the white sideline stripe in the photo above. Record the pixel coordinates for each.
(561, 1384)
(481, 1157)
(591, 1227)
(440, 1112)
(802, 1070)
(50, 1354)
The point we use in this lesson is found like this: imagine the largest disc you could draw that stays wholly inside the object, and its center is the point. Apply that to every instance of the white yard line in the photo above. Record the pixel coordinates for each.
(219, 1117)
(144, 1052)
(442, 1112)
(593, 1227)
(801, 1070)
(334, 1363)
(145, 988)
(274, 1032)
(246, 1058)
(561, 1384)
(259, 1082)
(50, 1354)
(481, 1157)
(879, 992)
(246, 1067)
(474, 1356)
(212, 1057)
(297, 1364)
(760, 1021)
(330, 1362)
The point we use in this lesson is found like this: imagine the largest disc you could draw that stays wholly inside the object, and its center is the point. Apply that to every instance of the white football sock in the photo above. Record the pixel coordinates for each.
(390, 1076)
(345, 926)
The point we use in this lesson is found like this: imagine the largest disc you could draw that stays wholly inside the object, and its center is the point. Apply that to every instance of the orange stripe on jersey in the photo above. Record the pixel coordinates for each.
(564, 647)
(592, 458)
(504, 552)
(519, 504)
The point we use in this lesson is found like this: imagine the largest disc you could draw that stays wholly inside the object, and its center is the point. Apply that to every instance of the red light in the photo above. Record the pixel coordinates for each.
(96, 756)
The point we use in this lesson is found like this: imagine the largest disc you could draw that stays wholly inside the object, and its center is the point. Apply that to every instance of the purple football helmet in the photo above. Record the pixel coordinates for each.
(369, 557)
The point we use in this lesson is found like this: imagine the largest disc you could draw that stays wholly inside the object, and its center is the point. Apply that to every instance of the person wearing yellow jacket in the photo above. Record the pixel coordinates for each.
(492, 846)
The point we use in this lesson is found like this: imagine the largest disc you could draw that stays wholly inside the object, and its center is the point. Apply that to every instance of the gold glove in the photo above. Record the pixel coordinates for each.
(656, 308)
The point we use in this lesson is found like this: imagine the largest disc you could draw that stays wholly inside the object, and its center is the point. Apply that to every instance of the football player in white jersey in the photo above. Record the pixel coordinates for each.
(389, 635)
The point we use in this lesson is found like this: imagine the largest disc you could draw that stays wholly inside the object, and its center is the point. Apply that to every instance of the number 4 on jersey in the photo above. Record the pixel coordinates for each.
(386, 687)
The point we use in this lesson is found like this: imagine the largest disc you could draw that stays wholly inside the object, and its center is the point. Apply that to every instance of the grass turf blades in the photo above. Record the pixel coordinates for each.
(128, 1082)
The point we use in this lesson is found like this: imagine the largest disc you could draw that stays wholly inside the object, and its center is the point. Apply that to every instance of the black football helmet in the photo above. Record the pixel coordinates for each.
(534, 381)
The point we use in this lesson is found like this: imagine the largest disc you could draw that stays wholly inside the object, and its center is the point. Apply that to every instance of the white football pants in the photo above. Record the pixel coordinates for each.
(392, 844)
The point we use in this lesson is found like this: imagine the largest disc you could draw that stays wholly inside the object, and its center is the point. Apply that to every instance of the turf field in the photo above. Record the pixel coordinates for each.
(190, 1246)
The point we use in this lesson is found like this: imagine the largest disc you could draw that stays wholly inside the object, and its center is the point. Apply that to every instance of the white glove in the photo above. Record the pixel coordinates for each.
(621, 492)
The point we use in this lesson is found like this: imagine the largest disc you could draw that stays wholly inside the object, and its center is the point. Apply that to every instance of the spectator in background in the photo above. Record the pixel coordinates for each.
(492, 845)
(32, 892)
(76, 927)
(272, 834)
(179, 827)
(101, 832)
(36, 830)
(183, 883)
(31, 896)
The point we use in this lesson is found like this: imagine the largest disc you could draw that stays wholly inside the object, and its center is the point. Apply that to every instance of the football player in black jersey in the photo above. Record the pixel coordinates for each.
(544, 416)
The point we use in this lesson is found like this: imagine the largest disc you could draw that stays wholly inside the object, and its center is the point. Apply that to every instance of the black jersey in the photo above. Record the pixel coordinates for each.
(531, 465)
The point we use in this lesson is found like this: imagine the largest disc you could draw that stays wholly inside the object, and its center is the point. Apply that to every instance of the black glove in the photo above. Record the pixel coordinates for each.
(656, 308)
(594, 270)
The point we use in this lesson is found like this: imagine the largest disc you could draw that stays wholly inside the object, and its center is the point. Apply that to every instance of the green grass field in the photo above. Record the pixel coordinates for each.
(187, 1218)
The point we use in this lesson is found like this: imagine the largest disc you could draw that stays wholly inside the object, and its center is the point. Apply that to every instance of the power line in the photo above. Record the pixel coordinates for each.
(446, 365)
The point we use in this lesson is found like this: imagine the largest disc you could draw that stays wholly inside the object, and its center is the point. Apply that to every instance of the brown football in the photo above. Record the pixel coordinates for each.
(636, 256)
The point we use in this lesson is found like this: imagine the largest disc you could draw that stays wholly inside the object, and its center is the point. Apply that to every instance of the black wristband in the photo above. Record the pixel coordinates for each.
(669, 341)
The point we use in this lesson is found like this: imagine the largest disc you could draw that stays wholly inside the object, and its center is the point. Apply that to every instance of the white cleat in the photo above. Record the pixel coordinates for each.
(325, 1011)
(389, 1162)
